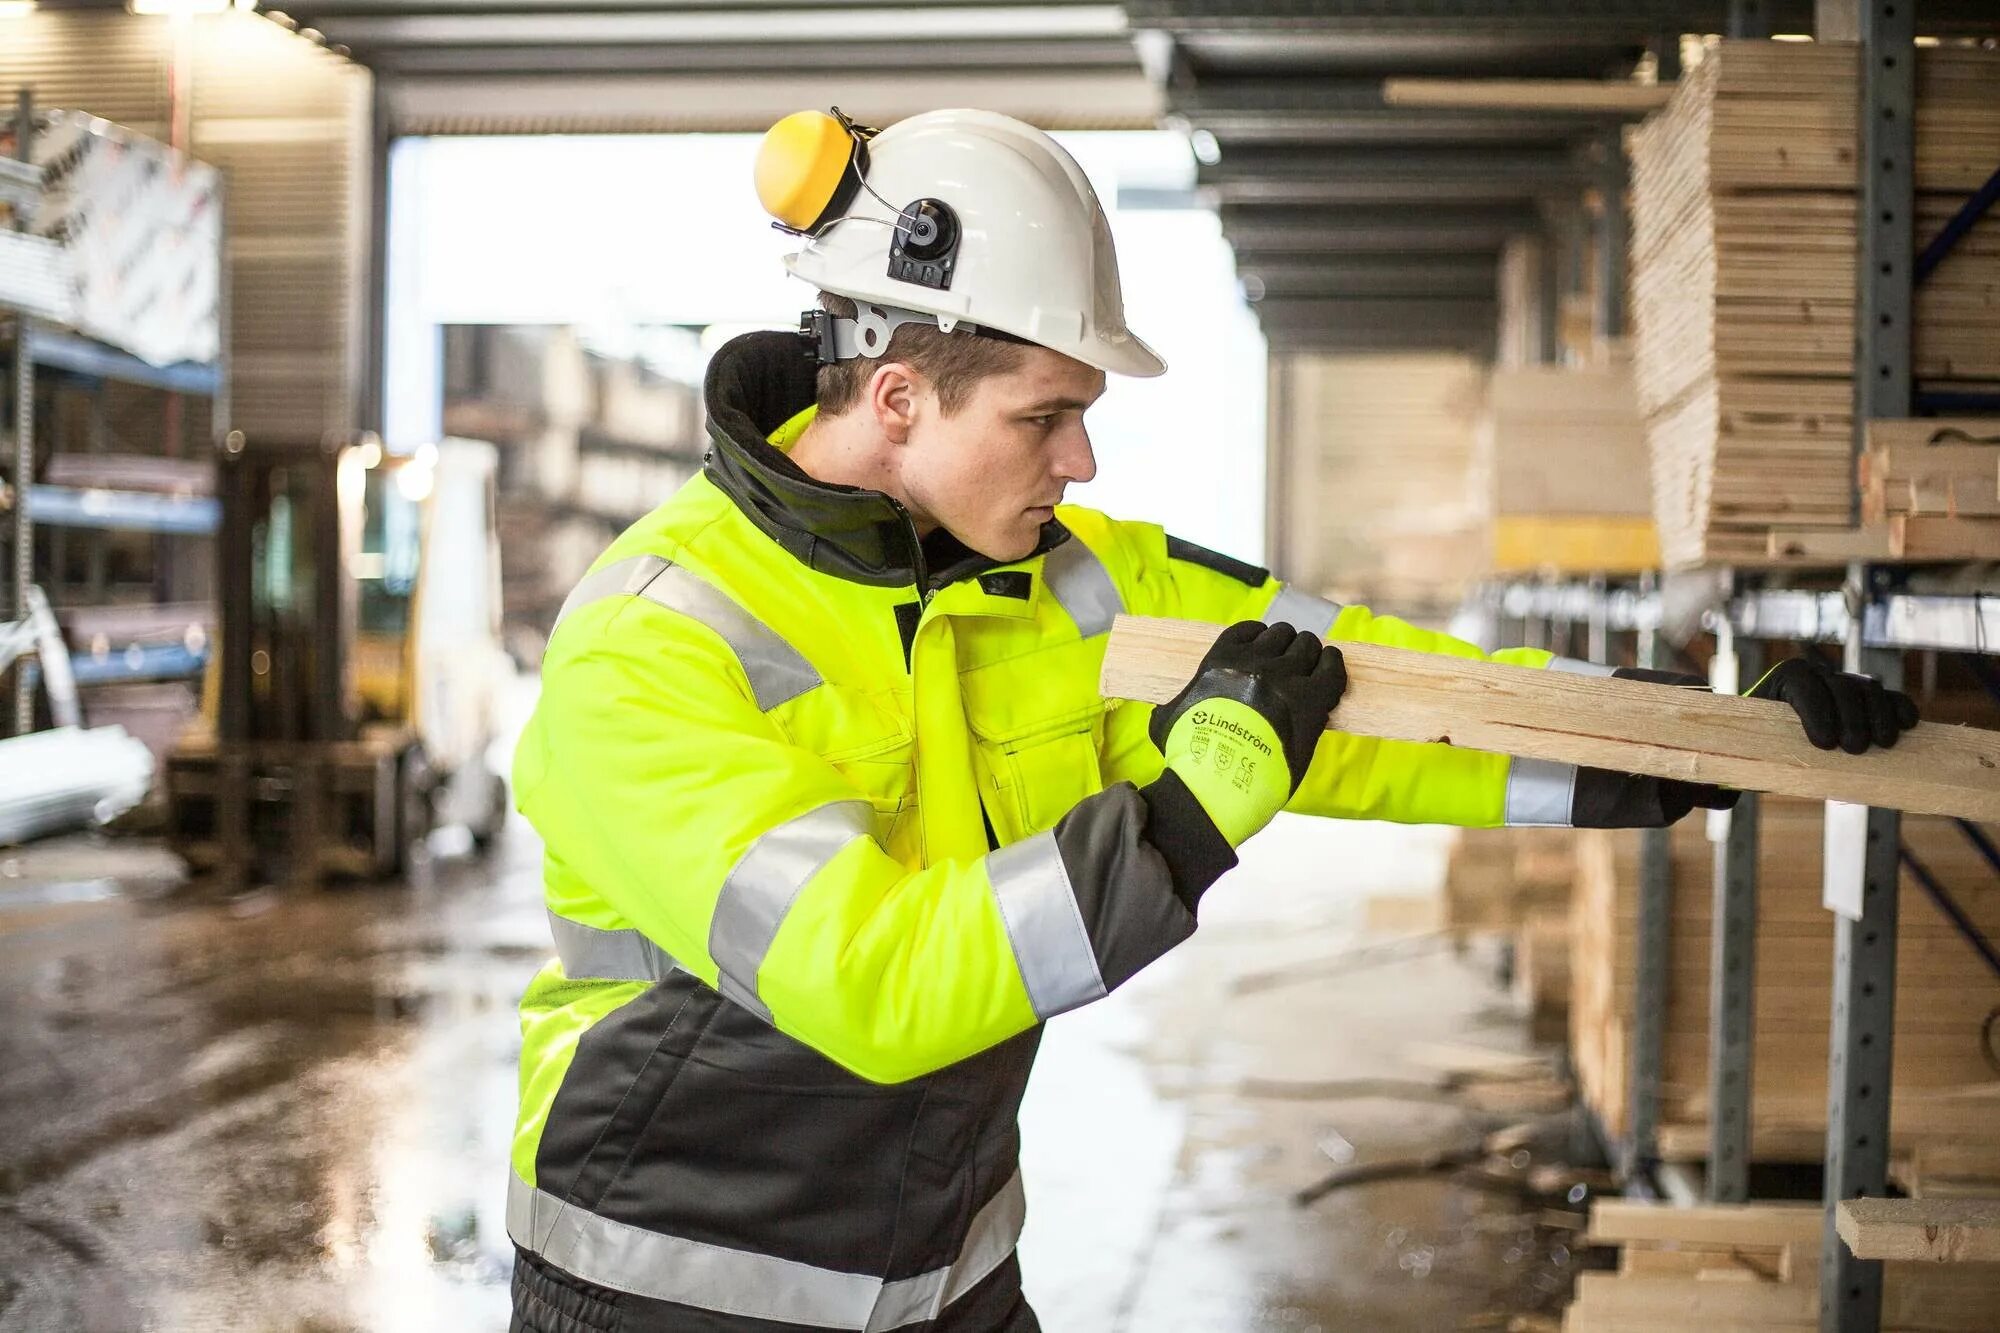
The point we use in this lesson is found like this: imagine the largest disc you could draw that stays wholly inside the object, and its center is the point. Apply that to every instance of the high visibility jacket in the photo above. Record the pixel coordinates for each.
(830, 833)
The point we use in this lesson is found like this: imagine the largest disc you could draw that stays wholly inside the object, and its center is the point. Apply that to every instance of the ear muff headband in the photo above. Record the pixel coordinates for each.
(809, 168)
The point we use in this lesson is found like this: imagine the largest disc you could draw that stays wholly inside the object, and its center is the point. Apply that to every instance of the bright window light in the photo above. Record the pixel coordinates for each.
(176, 7)
(16, 9)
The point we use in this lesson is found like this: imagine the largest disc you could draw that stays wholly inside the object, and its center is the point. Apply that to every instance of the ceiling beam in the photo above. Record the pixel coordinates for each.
(1285, 277)
(578, 26)
(1113, 57)
(1390, 175)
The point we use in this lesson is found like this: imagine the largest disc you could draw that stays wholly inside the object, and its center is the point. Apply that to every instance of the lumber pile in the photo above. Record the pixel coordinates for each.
(589, 441)
(1560, 470)
(1628, 726)
(1496, 879)
(1944, 1231)
(1370, 458)
(1948, 468)
(1743, 272)
(1751, 1268)
(1943, 1106)
(1541, 972)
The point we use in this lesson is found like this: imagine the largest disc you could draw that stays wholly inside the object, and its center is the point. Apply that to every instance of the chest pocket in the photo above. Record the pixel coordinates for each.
(1042, 771)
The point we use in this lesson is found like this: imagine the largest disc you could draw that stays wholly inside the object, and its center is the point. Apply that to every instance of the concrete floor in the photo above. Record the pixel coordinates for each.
(292, 1113)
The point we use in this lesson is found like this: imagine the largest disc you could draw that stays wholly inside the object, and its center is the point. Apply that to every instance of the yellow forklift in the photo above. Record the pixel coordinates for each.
(357, 685)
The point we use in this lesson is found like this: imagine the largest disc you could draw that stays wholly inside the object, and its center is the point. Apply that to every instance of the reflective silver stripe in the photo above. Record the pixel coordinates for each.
(778, 672)
(1576, 666)
(1051, 946)
(1302, 610)
(1539, 793)
(1083, 586)
(758, 1286)
(608, 955)
(622, 578)
(995, 1230)
(760, 890)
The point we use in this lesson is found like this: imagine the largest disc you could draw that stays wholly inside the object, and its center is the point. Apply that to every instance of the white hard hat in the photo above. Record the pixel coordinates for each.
(949, 217)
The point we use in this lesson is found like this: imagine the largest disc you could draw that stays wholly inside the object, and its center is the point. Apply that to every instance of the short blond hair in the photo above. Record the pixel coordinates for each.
(954, 363)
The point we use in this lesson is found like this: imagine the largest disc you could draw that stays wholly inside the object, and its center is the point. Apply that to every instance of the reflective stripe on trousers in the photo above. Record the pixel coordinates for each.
(1029, 881)
(626, 1258)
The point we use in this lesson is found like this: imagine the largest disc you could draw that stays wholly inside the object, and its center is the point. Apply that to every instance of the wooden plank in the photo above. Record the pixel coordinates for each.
(1829, 546)
(1585, 95)
(1721, 1225)
(1626, 725)
(1951, 1231)
(1692, 1300)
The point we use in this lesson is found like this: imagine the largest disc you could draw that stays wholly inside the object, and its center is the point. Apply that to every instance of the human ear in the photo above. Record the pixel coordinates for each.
(893, 395)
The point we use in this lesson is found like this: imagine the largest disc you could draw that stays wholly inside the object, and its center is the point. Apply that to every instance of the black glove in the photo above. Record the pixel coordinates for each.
(1285, 674)
(1608, 799)
(1837, 707)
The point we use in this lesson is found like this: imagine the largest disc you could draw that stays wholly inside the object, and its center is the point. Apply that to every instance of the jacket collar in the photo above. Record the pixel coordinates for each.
(755, 384)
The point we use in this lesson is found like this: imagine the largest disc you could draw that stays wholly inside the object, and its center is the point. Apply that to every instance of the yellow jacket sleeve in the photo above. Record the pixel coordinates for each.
(1351, 777)
(678, 817)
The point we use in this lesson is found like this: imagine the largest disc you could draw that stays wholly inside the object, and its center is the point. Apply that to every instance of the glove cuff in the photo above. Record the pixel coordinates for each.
(1179, 829)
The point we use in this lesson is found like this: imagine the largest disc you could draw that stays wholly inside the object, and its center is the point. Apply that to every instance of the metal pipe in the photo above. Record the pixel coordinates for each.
(24, 443)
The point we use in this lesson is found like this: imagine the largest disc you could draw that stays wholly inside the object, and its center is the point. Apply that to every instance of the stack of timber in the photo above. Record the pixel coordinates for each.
(1752, 1268)
(1561, 468)
(1371, 454)
(1541, 972)
(1929, 489)
(1500, 879)
(1743, 263)
(588, 443)
(1944, 1111)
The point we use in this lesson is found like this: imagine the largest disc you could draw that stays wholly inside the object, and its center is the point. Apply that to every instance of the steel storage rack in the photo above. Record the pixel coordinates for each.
(1875, 617)
(52, 308)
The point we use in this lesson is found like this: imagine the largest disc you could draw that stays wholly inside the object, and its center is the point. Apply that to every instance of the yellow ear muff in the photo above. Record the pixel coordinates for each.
(806, 167)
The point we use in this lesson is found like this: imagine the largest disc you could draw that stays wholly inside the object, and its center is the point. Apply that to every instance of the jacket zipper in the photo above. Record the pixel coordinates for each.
(917, 563)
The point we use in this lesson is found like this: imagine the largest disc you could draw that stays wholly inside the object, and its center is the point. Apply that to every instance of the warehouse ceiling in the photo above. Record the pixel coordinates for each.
(1356, 223)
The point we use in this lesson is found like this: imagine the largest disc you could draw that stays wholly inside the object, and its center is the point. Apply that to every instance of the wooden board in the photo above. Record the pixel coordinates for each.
(1936, 1230)
(1626, 725)
(1619, 1221)
(1584, 95)
(1753, 1268)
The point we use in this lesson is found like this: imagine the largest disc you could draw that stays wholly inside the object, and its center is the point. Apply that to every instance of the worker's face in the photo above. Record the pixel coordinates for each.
(992, 472)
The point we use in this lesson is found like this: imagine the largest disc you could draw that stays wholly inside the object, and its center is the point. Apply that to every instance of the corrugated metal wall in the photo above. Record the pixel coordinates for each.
(287, 122)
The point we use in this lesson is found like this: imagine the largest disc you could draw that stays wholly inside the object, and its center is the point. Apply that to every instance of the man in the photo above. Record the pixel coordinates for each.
(835, 815)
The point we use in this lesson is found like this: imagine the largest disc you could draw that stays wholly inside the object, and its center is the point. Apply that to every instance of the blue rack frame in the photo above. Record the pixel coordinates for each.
(123, 511)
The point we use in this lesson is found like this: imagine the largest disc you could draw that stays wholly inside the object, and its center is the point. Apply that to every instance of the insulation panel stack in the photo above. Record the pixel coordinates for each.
(1743, 273)
(1945, 1088)
(1370, 495)
(1561, 468)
